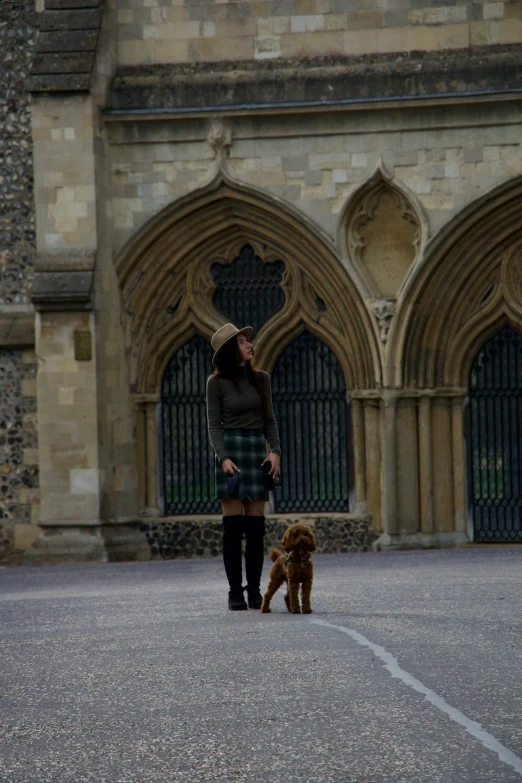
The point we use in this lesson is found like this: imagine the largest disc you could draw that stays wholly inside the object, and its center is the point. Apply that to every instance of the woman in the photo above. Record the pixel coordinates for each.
(240, 421)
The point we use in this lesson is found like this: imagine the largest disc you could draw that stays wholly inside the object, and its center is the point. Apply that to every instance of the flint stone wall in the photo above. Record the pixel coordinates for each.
(190, 538)
(17, 220)
(18, 436)
(19, 494)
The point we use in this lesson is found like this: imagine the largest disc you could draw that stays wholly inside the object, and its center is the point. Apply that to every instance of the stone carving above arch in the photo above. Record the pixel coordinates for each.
(219, 138)
(381, 234)
(383, 310)
(470, 285)
(167, 285)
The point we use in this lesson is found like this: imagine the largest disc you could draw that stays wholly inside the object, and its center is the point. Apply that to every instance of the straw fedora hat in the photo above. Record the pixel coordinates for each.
(223, 335)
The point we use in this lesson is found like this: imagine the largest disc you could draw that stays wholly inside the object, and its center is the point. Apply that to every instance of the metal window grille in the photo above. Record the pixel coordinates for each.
(496, 438)
(310, 405)
(248, 291)
(188, 458)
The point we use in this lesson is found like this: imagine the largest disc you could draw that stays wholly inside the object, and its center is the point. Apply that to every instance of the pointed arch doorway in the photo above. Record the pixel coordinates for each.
(495, 426)
(169, 294)
(309, 395)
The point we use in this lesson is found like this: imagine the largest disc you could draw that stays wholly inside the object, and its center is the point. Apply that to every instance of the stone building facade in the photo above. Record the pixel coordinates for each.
(19, 496)
(373, 150)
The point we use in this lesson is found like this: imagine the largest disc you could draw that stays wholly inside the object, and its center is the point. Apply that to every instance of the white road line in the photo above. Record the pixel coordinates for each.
(471, 726)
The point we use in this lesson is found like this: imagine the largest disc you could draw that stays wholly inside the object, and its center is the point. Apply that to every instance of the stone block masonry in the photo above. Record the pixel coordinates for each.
(170, 32)
(64, 186)
(445, 167)
(68, 434)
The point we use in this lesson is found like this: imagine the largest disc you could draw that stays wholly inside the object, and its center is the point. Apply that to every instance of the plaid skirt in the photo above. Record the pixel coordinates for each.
(247, 450)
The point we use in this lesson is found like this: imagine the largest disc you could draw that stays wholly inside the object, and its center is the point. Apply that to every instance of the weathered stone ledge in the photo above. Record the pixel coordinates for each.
(305, 80)
(70, 290)
(17, 327)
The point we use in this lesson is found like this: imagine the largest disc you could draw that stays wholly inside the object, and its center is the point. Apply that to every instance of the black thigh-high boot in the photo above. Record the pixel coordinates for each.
(233, 528)
(254, 557)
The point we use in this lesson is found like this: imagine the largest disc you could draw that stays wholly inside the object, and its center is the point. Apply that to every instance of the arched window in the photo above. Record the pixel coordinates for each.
(310, 405)
(188, 458)
(248, 290)
(495, 394)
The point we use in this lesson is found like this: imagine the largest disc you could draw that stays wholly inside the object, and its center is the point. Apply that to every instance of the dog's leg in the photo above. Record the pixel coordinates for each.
(293, 597)
(287, 599)
(274, 583)
(306, 591)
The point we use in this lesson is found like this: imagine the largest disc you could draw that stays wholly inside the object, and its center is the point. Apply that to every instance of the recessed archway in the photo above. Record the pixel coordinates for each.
(167, 289)
(469, 284)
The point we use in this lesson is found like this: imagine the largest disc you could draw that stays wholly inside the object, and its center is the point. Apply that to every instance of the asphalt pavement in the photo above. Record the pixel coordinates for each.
(408, 671)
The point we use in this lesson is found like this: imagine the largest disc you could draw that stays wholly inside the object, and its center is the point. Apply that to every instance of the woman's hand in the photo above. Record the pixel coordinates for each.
(275, 461)
(229, 467)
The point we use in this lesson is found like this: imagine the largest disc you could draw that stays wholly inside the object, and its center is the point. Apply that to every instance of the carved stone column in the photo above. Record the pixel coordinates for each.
(443, 488)
(389, 467)
(149, 404)
(359, 451)
(459, 467)
(372, 440)
(425, 466)
(407, 461)
(141, 453)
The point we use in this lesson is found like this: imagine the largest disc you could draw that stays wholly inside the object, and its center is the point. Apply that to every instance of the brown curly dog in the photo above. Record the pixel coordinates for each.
(294, 567)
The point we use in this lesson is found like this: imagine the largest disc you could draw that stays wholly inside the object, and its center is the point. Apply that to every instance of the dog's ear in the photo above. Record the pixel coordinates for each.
(286, 541)
(313, 545)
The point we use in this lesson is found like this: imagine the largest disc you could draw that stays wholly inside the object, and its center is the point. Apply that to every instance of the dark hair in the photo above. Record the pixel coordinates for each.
(228, 360)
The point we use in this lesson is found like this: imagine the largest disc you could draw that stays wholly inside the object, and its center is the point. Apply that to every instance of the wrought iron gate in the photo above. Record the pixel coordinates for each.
(188, 459)
(496, 438)
(310, 406)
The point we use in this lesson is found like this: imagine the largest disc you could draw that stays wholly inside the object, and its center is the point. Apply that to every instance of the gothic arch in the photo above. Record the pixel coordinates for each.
(402, 215)
(299, 322)
(469, 284)
(166, 286)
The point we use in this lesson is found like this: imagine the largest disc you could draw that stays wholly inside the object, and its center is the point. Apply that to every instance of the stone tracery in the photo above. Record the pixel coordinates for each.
(382, 232)
(173, 254)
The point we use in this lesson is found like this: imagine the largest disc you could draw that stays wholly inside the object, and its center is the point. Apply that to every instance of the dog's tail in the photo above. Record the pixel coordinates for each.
(275, 554)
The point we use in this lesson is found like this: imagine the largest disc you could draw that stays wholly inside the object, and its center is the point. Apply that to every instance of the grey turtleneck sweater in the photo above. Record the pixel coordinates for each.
(231, 409)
